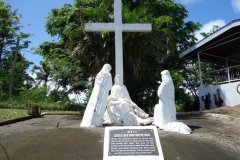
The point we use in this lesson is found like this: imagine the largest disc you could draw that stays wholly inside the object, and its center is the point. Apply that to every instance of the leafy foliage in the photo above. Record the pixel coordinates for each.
(8, 27)
(145, 54)
(8, 33)
(214, 29)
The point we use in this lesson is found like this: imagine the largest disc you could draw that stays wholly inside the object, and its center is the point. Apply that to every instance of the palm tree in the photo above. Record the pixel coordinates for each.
(42, 73)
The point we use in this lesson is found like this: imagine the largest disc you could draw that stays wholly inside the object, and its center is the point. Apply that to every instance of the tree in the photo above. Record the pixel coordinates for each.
(42, 73)
(9, 25)
(5, 28)
(58, 96)
(214, 29)
(145, 54)
(22, 80)
(62, 69)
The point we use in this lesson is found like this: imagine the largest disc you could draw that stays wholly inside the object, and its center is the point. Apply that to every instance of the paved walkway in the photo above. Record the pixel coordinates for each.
(40, 138)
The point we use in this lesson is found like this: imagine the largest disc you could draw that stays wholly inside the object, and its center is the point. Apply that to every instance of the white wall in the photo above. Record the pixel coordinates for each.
(228, 92)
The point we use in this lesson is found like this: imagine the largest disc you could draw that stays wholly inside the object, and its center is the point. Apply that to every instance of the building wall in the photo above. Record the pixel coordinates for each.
(230, 93)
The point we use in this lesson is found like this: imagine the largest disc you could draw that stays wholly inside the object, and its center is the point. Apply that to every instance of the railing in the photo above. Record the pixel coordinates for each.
(221, 76)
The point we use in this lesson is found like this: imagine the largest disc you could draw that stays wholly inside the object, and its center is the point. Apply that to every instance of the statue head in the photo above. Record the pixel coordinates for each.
(165, 75)
(167, 83)
(107, 67)
(105, 72)
(118, 80)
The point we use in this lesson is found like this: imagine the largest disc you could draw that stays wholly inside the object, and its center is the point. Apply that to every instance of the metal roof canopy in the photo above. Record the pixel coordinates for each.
(222, 45)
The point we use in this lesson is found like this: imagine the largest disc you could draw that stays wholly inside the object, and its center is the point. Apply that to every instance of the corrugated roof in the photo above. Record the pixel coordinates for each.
(219, 46)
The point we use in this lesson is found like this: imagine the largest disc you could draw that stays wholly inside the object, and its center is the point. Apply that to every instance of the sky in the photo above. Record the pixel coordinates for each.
(34, 12)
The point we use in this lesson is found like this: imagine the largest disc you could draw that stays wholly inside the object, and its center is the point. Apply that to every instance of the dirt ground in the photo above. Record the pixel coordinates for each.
(59, 137)
(233, 111)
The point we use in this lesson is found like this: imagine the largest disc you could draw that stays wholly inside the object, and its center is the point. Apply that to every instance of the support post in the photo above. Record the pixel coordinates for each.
(199, 68)
(228, 71)
(14, 66)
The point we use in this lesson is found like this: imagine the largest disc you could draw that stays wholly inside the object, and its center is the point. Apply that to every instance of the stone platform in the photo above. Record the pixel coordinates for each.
(60, 137)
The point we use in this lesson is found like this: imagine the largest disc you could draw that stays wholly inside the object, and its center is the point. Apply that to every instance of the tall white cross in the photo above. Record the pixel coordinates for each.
(118, 27)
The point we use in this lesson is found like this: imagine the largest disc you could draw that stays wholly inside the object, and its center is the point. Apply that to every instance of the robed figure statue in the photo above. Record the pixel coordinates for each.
(165, 111)
(93, 115)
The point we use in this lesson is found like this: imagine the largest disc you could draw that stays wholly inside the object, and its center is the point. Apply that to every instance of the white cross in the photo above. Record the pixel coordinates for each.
(118, 27)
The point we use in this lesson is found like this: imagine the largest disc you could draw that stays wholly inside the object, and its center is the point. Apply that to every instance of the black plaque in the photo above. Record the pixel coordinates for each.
(132, 142)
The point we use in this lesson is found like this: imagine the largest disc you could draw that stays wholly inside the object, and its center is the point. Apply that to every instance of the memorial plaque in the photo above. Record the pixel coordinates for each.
(138, 142)
(132, 142)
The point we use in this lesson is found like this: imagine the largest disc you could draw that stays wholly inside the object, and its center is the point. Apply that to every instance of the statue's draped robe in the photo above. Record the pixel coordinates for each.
(165, 110)
(120, 109)
(97, 104)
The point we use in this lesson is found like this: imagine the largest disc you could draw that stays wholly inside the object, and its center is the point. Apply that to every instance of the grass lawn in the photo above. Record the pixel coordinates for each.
(7, 114)
(60, 112)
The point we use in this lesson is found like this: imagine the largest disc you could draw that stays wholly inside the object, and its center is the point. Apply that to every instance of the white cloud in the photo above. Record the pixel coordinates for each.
(209, 26)
(236, 5)
(185, 2)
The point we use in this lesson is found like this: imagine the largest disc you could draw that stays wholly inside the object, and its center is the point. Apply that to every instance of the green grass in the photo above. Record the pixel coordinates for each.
(60, 112)
(7, 114)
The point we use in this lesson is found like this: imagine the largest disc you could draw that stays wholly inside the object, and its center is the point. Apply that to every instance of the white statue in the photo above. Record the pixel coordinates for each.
(97, 104)
(165, 112)
(121, 110)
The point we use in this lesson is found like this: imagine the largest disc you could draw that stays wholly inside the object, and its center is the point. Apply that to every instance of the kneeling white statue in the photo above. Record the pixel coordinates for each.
(121, 110)
(97, 103)
(165, 111)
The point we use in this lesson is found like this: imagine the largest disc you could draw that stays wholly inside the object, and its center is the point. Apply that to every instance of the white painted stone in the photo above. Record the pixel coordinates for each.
(97, 104)
(118, 27)
(121, 110)
(165, 111)
(132, 133)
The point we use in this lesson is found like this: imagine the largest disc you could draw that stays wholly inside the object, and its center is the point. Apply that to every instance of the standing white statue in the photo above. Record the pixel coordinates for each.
(121, 110)
(165, 112)
(97, 104)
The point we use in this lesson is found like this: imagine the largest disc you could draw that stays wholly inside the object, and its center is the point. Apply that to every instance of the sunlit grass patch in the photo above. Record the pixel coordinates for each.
(54, 112)
(7, 114)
